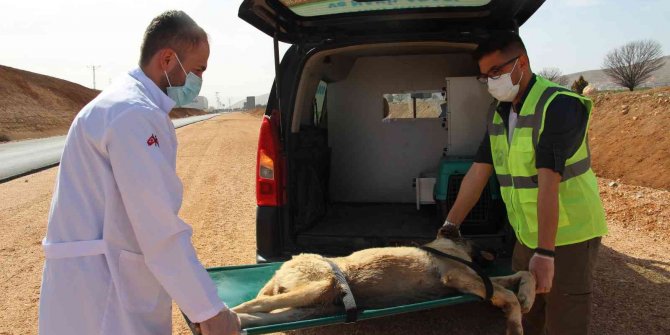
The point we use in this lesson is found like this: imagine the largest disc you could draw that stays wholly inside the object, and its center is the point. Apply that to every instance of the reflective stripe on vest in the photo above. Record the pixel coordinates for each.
(570, 171)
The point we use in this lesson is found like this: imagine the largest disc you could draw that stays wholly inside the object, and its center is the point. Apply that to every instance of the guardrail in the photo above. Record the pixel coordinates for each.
(22, 158)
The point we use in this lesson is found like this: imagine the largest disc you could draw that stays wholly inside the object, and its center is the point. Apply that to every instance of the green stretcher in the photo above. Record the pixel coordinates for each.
(238, 284)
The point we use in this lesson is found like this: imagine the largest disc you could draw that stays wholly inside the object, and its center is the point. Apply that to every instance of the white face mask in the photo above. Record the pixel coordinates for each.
(502, 88)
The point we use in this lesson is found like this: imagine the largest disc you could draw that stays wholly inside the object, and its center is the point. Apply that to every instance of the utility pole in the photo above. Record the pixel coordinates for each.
(93, 67)
(218, 100)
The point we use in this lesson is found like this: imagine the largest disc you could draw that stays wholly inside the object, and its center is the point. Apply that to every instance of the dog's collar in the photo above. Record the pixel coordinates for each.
(487, 281)
(347, 296)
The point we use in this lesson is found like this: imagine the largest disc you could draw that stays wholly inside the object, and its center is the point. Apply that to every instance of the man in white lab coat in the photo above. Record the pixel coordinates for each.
(116, 252)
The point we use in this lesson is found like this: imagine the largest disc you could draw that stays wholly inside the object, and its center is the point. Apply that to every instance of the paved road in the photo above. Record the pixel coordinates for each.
(23, 157)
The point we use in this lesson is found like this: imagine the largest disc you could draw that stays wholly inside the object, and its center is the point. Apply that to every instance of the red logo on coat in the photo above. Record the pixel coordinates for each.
(153, 140)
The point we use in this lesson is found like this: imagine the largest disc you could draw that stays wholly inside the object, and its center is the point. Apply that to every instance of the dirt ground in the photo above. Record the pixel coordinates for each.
(216, 161)
(629, 134)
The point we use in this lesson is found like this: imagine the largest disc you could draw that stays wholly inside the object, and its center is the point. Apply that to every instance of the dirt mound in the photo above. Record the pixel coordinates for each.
(34, 105)
(256, 112)
(178, 113)
(629, 137)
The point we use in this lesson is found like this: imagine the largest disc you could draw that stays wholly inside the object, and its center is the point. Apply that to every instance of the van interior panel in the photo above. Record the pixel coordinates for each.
(375, 161)
(353, 182)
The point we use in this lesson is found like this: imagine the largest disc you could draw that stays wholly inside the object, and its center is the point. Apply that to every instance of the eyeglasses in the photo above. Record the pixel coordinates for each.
(495, 71)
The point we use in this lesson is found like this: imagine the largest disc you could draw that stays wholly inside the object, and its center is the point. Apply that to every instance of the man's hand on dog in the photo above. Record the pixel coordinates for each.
(450, 230)
(542, 267)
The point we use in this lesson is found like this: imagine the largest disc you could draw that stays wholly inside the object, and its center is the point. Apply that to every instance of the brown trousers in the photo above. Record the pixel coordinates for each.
(566, 309)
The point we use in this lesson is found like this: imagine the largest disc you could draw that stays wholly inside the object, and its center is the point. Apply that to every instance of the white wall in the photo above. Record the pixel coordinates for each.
(374, 161)
(469, 102)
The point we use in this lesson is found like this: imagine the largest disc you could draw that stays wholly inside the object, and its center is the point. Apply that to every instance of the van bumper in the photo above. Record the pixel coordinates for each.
(268, 234)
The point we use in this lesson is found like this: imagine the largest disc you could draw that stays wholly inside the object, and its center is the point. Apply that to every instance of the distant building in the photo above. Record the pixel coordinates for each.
(199, 102)
(251, 103)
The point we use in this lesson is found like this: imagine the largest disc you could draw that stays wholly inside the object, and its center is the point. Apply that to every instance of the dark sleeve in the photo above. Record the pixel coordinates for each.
(484, 152)
(564, 129)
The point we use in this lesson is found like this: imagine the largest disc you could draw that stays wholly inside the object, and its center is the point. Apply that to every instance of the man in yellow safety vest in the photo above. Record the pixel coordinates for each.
(537, 145)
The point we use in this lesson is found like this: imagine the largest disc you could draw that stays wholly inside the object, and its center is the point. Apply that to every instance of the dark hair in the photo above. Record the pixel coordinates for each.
(505, 41)
(172, 29)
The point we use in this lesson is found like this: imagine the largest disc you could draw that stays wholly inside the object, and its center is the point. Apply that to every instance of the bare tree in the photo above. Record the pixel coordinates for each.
(633, 63)
(554, 74)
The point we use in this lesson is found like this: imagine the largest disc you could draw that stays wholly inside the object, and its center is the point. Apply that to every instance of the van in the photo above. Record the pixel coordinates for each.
(373, 120)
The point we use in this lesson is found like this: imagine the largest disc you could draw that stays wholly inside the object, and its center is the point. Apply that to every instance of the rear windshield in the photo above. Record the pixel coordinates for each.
(329, 7)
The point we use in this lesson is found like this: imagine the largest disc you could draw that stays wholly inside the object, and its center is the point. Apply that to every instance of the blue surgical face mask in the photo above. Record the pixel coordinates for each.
(184, 95)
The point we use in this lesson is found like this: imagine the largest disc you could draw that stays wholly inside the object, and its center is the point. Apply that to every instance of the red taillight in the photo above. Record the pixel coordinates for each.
(268, 165)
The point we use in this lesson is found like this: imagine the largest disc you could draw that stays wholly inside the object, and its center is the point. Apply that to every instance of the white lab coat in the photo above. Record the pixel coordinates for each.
(116, 251)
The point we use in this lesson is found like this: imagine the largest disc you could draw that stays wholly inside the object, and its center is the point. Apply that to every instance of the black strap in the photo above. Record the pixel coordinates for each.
(473, 266)
(348, 297)
(545, 252)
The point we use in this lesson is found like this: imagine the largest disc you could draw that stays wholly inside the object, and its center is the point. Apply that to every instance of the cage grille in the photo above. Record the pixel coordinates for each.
(479, 213)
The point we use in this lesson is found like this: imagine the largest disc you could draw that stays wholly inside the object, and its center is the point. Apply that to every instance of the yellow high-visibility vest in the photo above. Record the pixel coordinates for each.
(581, 214)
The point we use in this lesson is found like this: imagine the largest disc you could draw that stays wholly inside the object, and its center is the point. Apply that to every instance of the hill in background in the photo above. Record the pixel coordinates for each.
(601, 81)
(35, 106)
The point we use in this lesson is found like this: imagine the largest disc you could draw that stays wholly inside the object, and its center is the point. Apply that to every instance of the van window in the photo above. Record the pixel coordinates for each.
(329, 7)
(430, 104)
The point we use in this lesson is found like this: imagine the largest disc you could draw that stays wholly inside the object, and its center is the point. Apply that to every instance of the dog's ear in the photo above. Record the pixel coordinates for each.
(487, 255)
(484, 257)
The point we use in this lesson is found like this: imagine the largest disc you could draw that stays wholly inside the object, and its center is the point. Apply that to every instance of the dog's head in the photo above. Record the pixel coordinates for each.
(479, 254)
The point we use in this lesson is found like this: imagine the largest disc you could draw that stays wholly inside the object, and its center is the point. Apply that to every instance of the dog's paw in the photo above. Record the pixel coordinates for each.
(526, 294)
(525, 302)
(514, 329)
(241, 308)
(250, 320)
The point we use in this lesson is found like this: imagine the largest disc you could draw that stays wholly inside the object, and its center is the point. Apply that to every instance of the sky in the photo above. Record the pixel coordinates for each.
(64, 39)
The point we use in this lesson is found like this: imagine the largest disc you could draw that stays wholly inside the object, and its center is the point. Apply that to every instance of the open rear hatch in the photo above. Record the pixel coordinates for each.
(301, 21)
